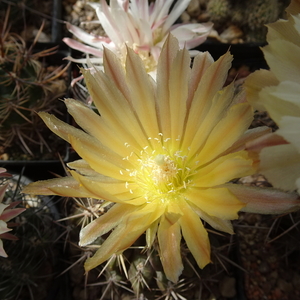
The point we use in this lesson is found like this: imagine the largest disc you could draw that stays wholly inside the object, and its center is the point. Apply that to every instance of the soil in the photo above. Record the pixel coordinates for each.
(270, 253)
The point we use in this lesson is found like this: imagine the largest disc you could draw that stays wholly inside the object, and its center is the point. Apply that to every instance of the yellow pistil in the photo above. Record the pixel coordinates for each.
(157, 35)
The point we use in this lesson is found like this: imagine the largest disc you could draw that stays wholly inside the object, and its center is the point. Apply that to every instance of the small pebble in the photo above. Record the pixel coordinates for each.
(264, 267)
(228, 287)
(284, 285)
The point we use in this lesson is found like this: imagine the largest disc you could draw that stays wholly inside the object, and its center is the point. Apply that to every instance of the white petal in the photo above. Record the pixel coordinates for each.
(86, 37)
(191, 35)
(178, 9)
(83, 48)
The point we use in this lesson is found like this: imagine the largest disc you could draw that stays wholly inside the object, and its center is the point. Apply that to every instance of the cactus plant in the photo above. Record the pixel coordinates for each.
(26, 87)
(7, 212)
(250, 16)
(137, 273)
(219, 10)
(28, 270)
(26, 16)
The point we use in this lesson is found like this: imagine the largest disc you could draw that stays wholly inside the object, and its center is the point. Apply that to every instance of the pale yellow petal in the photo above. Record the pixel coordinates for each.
(115, 109)
(248, 138)
(118, 188)
(200, 64)
(97, 189)
(217, 223)
(173, 210)
(125, 234)
(169, 237)
(224, 169)
(113, 217)
(211, 82)
(226, 132)
(255, 146)
(115, 71)
(93, 124)
(100, 159)
(281, 166)
(168, 53)
(285, 30)
(119, 240)
(294, 7)
(66, 186)
(59, 127)
(2, 251)
(289, 92)
(214, 115)
(216, 202)
(178, 92)
(283, 59)
(151, 233)
(290, 130)
(142, 95)
(265, 200)
(254, 83)
(195, 236)
(280, 100)
(82, 167)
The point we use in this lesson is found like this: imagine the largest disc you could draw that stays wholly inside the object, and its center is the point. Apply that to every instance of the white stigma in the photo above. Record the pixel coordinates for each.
(163, 168)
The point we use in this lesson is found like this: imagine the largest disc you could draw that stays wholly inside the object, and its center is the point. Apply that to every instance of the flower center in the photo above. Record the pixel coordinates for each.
(148, 61)
(158, 172)
(143, 52)
(162, 175)
(157, 35)
(163, 168)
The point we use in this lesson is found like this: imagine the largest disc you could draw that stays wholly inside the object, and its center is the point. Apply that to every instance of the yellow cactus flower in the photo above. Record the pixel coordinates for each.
(163, 152)
(277, 91)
